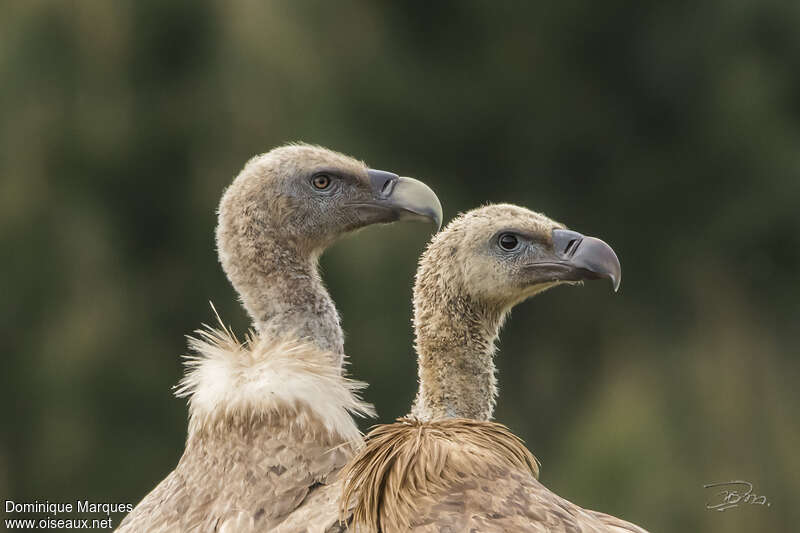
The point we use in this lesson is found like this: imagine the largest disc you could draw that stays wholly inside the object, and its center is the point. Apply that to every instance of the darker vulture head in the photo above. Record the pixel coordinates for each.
(306, 197)
(502, 254)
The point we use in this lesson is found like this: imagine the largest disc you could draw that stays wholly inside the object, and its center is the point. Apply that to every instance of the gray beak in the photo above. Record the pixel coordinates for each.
(406, 198)
(587, 257)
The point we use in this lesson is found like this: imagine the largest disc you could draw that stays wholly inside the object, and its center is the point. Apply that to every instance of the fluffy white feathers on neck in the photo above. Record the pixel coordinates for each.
(231, 381)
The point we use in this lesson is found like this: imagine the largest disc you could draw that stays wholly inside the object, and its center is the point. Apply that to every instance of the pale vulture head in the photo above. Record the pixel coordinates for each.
(311, 196)
(502, 254)
(281, 212)
(474, 271)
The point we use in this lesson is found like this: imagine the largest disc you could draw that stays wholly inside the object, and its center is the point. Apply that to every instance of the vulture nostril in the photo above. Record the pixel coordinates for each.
(386, 186)
(569, 246)
(382, 182)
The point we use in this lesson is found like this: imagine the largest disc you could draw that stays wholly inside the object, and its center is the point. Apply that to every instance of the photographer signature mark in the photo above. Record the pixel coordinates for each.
(733, 493)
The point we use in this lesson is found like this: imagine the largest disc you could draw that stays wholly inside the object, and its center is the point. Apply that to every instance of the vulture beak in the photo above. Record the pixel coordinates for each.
(405, 198)
(580, 258)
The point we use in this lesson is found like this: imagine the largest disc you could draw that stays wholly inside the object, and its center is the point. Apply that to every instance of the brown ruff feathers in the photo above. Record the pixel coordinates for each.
(409, 459)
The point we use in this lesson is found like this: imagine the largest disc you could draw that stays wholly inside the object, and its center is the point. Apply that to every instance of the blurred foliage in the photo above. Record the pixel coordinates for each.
(672, 130)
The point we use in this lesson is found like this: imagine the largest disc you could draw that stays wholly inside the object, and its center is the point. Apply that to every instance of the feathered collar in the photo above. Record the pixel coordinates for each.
(228, 382)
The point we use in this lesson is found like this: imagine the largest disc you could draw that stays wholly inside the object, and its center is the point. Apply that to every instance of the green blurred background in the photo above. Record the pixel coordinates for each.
(671, 130)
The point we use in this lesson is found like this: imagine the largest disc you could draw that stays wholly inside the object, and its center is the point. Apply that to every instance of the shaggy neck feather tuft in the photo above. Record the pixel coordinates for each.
(237, 384)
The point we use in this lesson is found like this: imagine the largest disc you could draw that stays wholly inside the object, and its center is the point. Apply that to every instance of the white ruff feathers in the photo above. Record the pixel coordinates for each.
(261, 377)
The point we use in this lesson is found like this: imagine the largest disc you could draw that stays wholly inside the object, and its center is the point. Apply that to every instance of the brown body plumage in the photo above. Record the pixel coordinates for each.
(270, 418)
(449, 468)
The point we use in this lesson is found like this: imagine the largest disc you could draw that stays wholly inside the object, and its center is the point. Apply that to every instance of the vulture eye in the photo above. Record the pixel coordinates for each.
(508, 241)
(321, 181)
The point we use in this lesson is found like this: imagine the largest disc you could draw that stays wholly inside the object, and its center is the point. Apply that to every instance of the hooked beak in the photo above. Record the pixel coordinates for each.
(404, 198)
(580, 258)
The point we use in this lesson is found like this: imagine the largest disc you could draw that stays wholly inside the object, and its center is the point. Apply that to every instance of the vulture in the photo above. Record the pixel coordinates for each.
(447, 467)
(270, 417)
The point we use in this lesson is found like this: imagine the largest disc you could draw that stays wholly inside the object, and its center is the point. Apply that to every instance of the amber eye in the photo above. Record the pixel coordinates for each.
(508, 241)
(321, 181)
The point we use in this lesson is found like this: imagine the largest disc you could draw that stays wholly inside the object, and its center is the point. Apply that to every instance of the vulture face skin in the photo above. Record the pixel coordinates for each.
(332, 200)
(510, 254)
(537, 260)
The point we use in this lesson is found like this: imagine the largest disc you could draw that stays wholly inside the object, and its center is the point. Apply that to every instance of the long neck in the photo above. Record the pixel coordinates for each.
(282, 291)
(455, 347)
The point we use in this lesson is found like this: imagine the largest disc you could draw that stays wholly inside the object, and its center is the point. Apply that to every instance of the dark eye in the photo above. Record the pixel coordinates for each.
(321, 181)
(508, 241)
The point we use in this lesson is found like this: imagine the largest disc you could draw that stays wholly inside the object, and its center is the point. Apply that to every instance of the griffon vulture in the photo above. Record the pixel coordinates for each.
(270, 418)
(447, 467)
